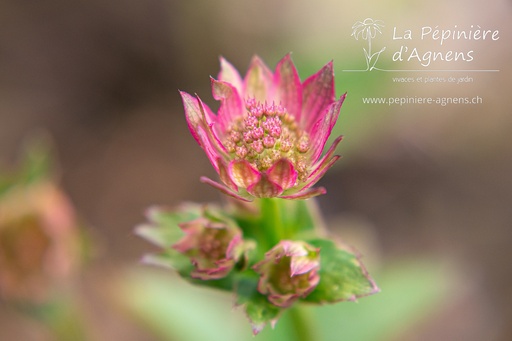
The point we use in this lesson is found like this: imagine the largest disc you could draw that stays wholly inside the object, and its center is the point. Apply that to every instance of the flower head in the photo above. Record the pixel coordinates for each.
(368, 28)
(288, 272)
(269, 133)
(213, 247)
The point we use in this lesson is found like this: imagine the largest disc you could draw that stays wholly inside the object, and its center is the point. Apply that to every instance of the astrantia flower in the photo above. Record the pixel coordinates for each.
(213, 247)
(288, 272)
(269, 133)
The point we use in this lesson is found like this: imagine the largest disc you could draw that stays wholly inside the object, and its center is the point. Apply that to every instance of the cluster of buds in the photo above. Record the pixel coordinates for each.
(228, 248)
(266, 144)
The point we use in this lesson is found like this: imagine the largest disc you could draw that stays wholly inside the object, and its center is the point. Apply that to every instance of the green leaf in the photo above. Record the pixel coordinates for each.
(258, 309)
(163, 229)
(162, 216)
(412, 290)
(260, 312)
(342, 275)
(173, 309)
(162, 236)
(171, 259)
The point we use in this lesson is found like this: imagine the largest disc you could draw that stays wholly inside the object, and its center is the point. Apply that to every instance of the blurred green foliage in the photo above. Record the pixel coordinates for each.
(174, 310)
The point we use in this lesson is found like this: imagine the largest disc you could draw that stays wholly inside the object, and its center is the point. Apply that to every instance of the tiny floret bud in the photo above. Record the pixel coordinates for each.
(288, 272)
(211, 247)
(269, 141)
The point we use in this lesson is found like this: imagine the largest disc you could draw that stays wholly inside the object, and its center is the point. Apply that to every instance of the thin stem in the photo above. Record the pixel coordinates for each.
(302, 324)
(271, 219)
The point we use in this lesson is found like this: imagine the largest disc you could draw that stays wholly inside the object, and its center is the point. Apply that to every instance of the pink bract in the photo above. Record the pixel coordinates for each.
(267, 137)
(211, 246)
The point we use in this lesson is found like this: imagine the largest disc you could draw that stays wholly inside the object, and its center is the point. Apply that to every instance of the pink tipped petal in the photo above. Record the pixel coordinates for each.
(322, 128)
(229, 74)
(231, 104)
(265, 189)
(199, 120)
(193, 114)
(288, 87)
(329, 153)
(243, 173)
(317, 165)
(317, 94)
(283, 173)
(209, 149)
(223, 188)
(306, 193)
(320, 171)
(258, 81)
(211, 126)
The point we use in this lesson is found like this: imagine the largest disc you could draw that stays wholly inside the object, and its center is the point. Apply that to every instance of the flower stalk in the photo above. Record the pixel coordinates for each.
(271, 220)
(303, 324)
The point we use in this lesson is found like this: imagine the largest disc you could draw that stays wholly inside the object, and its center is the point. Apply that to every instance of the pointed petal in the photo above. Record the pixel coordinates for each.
(306, 193)
(283, 173)
(258, 81)
(243, 173)
(317, 95)
(265, 189)
(231, 104)
(193, 114)
(329, 153)
(288, 87)
(211, 126)
(322, 128)
(224, 175)
(198, 116)
(319, 172)
(229, 74)
(222, 188)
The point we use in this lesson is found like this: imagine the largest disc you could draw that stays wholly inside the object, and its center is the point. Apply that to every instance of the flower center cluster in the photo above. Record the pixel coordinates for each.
(266, 134)
(213, 244)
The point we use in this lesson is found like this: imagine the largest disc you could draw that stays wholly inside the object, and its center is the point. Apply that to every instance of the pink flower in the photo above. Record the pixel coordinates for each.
(213, 247)
(269, 133)
(39, 241)
(288, 272)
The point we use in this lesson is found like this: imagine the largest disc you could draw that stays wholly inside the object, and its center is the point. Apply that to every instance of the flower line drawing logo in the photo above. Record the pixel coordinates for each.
(367, 30)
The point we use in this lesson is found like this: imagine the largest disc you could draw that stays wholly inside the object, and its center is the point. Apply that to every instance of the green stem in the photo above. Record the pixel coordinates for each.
(302, 324)
(271, 220)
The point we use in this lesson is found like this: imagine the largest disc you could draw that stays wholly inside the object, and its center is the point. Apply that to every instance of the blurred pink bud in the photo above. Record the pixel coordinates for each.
(213, 247)
(38, 240)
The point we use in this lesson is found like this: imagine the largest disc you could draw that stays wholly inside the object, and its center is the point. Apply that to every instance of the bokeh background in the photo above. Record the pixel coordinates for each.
(417, 182)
